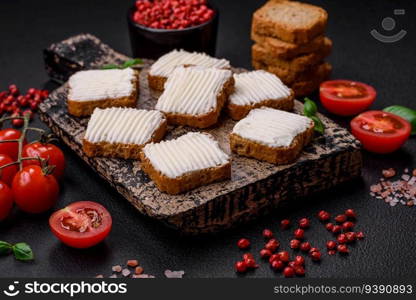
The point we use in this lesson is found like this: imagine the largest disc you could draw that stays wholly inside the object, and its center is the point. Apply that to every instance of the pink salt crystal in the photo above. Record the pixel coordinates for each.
(125, 272)
(117, 268)
(174, 274)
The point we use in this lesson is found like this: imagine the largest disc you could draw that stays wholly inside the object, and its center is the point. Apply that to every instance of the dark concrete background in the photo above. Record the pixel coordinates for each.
(26, 27)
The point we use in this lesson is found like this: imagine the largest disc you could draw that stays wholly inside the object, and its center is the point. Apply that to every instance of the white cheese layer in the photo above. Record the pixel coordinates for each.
(190, 152)
(256, 86)
(192, 90)
(271, 127)
(123, 125)
(101, 84)
(165, 65)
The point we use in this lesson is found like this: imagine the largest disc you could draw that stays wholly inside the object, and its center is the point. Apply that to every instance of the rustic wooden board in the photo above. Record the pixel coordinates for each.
(255, 187)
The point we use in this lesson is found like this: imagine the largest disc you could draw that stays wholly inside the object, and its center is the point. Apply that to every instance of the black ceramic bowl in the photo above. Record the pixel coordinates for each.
(152, 43)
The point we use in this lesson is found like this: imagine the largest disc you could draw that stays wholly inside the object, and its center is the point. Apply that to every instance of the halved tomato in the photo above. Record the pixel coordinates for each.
(380, 131)
(81, 224)
(346, 97)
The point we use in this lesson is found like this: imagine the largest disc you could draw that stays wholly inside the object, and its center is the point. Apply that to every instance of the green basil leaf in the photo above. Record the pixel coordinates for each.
(22, 251)
(309, 108)
(110, 66)
(319, 126)
(404, 112)
(131, 62)
(5, 248)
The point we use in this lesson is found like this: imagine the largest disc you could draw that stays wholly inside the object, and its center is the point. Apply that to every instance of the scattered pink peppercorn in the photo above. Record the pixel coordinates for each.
(267, 233)
(341, 218)
(304, 223)
(299, 233)
(288, 272)
(243, 243)
(284, 224)
(294, 244)
(305, 246)
(324, 215)
(350, 213)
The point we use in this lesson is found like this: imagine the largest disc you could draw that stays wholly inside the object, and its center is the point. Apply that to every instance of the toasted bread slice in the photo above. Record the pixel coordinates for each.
(182, 164)
(122, 132)
(298, 64)
(290, 21)
(102, 88)
(287, 51)
(165, 65)
(271, 135)
(289, 78)
(304, 87)
(256, 89)
(195, 95)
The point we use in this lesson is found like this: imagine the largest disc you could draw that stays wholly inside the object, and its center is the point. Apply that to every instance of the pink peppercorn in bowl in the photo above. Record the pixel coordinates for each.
(160, 26)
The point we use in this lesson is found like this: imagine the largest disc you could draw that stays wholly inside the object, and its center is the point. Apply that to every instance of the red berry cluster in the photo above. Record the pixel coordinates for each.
(281, 261)
(16, 104)
(172, 14)
(343, 229)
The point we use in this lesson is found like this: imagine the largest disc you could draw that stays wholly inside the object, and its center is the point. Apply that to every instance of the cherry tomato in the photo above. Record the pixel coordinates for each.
(10, 148)
(46, 151)
(380, 131)
(346, 97)
(82, 224)
(6, 201)
(33, 191)
(7, 174)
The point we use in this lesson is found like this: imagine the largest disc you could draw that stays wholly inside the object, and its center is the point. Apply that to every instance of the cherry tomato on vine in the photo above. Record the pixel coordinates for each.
(45, 151)
(35, 190)
(81, 224)
(6, 201)
(7, 174)
(10, 148)
(346, 97)
(380, 131)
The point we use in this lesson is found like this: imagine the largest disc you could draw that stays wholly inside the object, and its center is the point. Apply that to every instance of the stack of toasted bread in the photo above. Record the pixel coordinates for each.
(290, 42)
